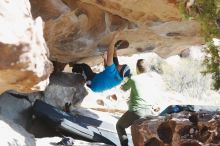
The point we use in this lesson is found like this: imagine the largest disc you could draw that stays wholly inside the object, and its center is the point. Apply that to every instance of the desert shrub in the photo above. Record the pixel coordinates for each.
(186, 78)
(207, 13)
(155, 64)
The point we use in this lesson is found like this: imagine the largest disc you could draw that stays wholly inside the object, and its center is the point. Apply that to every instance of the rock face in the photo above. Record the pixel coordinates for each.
(80, 29)
(23, 58)
(65, 88)
(20, 113)
(182, 129)
(83, 28)
(139, 11)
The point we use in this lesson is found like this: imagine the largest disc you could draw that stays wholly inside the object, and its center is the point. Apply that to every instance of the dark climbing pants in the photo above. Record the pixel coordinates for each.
(85, 70)
(124, 122)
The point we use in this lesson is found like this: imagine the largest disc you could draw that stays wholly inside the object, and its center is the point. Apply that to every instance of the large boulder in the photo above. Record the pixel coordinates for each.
(140, 11)
(16, 108)
(49, 9)
(197, 128)
(80, 29)
(24, 65)
(65, 88)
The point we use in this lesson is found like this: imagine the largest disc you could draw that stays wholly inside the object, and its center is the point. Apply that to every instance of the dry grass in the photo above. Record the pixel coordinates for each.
(186, 78)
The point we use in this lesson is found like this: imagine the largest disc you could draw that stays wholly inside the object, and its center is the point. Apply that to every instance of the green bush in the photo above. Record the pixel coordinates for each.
(207, 12)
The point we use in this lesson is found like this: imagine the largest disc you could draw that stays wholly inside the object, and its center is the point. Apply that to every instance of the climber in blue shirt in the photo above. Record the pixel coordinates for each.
(112, 75)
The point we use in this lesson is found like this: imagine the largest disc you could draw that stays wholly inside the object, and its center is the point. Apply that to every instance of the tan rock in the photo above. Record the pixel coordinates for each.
(23, 59)
(140, 11)
(82, 29)
(48, 9)
(86, 31)
(73, 43)
(67, 39)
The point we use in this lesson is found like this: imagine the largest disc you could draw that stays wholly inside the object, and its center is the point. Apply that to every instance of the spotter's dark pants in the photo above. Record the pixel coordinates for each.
(124, 122)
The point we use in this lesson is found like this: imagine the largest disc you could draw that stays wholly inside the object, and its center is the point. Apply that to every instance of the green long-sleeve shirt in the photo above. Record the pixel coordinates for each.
(137, 94)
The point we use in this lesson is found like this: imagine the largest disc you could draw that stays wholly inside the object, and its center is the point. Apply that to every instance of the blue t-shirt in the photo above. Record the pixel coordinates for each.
(107, 79)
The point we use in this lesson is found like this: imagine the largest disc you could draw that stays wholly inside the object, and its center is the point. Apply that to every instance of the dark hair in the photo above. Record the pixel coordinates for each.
(125, 71)
(218, 22)
(121, 44)
(141, 67)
